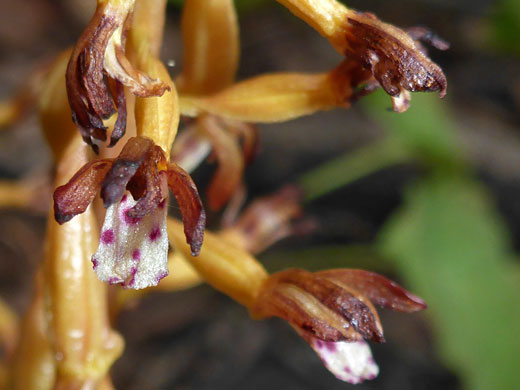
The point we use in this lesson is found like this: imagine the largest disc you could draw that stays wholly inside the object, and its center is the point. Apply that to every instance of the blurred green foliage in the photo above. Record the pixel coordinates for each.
(505, 26)
(452, 249)
(449, 243)
(447, 240)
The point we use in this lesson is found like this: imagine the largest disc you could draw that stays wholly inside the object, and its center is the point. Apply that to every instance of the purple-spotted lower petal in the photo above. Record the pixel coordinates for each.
(349, 361)
(132, 252)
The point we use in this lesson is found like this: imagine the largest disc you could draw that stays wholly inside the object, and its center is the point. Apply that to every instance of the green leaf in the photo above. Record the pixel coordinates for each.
(352, 166)
(426, 128)
(505, 27)
(320, 257)
(453, 250)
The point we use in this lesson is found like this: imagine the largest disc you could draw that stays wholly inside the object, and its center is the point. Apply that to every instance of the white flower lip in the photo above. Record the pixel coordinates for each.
(132, 252)
(349, 361)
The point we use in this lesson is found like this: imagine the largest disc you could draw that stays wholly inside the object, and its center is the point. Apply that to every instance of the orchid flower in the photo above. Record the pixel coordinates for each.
(133, 247)
(332, 310)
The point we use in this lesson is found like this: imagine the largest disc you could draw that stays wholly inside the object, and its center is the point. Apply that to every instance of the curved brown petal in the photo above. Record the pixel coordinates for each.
(304, 312)
(148, 185)
(395, 60)
(326, 303)
(124, 168)
(380, 290)
(74, 197)
(192, 211)
(230, 169)
(89, 97)
(100, 53)
(120, 126)
(338, 299)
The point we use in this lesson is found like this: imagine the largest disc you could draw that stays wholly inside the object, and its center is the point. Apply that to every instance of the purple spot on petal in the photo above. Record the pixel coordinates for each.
(155, 233)
(371, 377)
(131, 282)
(162, 204)
(371, 360)
(331, 347)
(95, 263)
(107, 237)
(123, 200)
(114, 280)
(136, 254)
(160, 276)
(319, 344)
(129, 220)
(348, 370)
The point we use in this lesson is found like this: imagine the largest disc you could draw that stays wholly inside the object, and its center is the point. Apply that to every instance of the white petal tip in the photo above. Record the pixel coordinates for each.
(351, 362)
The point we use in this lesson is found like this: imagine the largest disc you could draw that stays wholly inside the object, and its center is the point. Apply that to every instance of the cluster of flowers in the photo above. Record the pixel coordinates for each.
(115, 68)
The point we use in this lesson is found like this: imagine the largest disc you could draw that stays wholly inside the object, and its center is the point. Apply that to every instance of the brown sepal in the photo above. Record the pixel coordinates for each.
(351, 311)
(120, 126)
(147, 184)
(274, 300)
(394, 59)
(74, 197)
(89, 96)
(337, 299)
(192, 211)
(125, 166)
(228, 176)
(380, 290)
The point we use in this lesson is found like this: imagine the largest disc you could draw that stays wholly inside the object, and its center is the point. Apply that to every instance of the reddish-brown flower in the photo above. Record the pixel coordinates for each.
(333, 311)
(395, 58)
(134, 231)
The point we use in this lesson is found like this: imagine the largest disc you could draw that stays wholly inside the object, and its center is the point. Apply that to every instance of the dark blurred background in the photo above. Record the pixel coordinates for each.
(444, 223)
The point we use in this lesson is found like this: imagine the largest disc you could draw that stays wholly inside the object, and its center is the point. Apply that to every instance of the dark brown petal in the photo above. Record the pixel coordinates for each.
(190, 205)
(285, 306)
(74, 197)
(120, 125)
(230, 169)
(148, 184)
(124, 168)
(88, 94)
(336, 298)
(380, 290)
(395, 60)
(303, 311)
